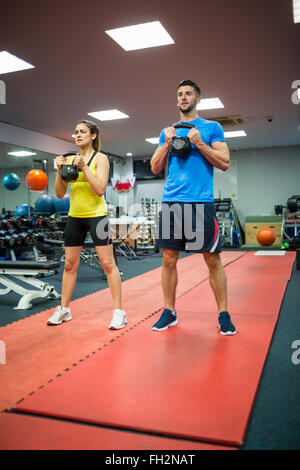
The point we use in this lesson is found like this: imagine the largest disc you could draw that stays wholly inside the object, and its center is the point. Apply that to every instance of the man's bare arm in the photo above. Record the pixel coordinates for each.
(159, 159)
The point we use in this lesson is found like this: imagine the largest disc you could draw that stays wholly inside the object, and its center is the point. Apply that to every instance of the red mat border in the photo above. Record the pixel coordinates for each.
(40, 433)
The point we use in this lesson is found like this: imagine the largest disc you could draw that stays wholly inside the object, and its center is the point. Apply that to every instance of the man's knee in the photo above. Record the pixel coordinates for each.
(170, 258)
(213, 261)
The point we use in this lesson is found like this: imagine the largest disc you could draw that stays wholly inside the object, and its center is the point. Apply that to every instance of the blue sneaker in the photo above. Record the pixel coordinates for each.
(167, 319)
(225, 324)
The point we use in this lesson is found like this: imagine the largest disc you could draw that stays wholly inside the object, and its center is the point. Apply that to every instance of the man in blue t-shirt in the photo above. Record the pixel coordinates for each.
(188, 217)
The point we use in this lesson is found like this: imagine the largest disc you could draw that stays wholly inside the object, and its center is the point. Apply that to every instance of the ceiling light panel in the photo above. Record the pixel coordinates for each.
(296, 11)
(230, 134)
(141, 36)
(153, 140)
(10, 63)
(108, 115)
(210, 103)
(21, 153)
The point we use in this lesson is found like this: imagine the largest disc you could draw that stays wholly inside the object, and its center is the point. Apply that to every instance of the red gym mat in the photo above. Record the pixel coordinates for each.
(265, 266)
(37, 353)
(188, 381)
(18, 432)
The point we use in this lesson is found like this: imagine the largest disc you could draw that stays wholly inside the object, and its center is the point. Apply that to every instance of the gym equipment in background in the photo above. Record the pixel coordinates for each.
(36, 180)
(45, 204)
(290, 229)
(24, 209)
(62, 205)
(293, 203)
(266, 236)
(26, 272)
(149, 228)
(22, 241)
(11, 181)
(229, 226)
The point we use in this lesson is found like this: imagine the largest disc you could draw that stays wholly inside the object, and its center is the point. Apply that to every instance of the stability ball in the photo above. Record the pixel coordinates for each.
(37, 180)
(23, 209)
(11, 181)
(266, 236)
(45, 204)
(62, 205)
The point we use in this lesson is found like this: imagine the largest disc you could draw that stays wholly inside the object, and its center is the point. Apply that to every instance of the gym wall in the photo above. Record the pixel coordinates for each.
(265, 176)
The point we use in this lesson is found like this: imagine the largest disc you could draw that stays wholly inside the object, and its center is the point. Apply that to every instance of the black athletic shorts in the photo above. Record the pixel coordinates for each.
(77, 228)
(189, 226)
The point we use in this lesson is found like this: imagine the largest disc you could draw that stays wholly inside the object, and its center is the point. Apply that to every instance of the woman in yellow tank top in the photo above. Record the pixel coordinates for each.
(88, 213)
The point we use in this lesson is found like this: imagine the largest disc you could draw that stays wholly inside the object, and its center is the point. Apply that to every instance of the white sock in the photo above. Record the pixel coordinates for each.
(65, 309)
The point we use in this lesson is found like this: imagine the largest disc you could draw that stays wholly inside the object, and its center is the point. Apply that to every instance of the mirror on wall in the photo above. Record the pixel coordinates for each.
(14, 156)
(19, 161)
(15, 163)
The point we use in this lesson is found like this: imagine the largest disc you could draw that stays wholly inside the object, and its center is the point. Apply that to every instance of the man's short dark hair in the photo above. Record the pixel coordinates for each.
(192, 84)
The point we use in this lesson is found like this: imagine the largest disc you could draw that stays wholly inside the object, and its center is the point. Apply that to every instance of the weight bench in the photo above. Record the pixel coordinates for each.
(25, 271)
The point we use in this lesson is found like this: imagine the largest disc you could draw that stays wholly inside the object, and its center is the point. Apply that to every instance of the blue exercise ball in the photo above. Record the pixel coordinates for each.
(62, 205)
(11, 181)
(22, 209)
(45, 204)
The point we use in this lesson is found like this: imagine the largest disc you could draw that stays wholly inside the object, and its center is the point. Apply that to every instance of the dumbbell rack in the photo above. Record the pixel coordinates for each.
(23, 235)
(147, 234)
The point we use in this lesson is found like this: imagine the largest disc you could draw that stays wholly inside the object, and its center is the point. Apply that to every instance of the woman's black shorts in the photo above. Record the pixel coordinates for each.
(77, 228)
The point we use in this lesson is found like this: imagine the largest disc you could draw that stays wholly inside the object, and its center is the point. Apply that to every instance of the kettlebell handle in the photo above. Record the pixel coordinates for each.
(179, 125)
(71, 154)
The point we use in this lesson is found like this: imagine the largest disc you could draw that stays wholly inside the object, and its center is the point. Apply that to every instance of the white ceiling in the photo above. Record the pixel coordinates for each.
(246, 52)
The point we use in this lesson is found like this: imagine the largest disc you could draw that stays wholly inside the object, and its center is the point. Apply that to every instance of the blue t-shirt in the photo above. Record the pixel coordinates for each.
(191, 179)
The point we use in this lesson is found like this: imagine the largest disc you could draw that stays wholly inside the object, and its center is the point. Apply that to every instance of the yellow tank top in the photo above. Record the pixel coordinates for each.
(84, 202)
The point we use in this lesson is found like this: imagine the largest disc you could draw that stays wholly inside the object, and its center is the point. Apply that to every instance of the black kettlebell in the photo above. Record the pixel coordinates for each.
(181, 146)
(69, 172)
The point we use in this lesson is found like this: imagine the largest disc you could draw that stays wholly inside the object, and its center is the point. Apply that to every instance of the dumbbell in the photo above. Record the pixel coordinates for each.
(26, 238)
(69, 172)
(29, 221)
(16, 221)
(38, 222)
(56, 235)
(181, 146)
(40, 237)
(293, 203)
(4, 223)
(31, 233)
(47, 222)
(49, 235)
(60, 235)
(6, 240)
(14, 234)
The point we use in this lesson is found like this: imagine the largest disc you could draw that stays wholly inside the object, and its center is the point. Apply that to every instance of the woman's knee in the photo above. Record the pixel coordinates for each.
(108, 264)
(71, 265)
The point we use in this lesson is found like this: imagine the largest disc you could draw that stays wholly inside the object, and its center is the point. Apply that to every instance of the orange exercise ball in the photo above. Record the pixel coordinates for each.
(266, 236)
(37, 180)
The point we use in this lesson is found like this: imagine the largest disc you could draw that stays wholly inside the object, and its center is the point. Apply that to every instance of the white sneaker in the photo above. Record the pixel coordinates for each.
(60, 315)
(119, 320)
